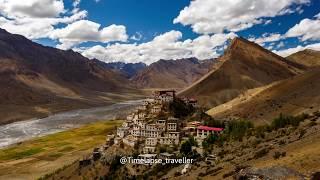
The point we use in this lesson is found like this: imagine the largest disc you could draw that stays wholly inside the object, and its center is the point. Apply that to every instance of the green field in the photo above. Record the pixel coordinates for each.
(45, 154)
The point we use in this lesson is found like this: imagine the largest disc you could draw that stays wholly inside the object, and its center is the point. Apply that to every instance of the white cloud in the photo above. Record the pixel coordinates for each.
(164, 46)
(36, 18)
(266, 37)
(287, 52)
(136, 37)
(280, 45)
(76, 3)
(215, 16)
(31, 8)
(306, 29)
(269, 21)
(84, 31)
(35, 28)
(30, 28)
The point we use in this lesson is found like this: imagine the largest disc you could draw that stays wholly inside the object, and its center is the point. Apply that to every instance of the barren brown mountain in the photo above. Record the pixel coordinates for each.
(245, 65)
(292, 96)
(308, 57)
(37, 80)
(172, 73)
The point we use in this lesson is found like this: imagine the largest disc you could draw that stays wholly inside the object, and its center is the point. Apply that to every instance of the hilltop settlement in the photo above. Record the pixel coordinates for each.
(177, 129)
(153, 124)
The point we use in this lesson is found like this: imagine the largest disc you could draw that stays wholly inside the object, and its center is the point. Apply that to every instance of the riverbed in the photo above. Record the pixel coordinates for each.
(25, 130)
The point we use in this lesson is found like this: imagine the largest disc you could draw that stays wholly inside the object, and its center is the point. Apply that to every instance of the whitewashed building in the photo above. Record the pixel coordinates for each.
(149, 149)
(156, 109)
(161, 122)
(168, 141)
(122, 131)
(204, 131)
(165, 98)
(151, 141)
(172, 126)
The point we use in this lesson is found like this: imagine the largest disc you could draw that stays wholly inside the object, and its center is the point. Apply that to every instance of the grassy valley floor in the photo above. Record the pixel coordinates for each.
(35, 158)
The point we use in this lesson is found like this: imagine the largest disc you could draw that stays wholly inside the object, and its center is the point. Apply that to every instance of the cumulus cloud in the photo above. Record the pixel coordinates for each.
(35, 28)
(37, 19)
(84, 31)
(164, 46)
(267, 37)
(215, 16)
(306, 29)
(287, 52)
(31, 8)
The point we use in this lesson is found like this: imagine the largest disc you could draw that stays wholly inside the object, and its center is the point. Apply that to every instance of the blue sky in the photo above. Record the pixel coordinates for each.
(148, 30)
(152, 17)
(149, 17)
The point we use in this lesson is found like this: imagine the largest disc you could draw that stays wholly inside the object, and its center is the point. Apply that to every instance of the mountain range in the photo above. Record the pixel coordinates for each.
(36, 80)
(162, 74)
(127, 69)
(175, 74)
(248, 81)
(245, 65)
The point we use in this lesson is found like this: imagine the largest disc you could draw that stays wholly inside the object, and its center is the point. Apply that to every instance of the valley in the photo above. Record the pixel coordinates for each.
(43, 155)
(246, 113)
(37, 81)
(25, 130)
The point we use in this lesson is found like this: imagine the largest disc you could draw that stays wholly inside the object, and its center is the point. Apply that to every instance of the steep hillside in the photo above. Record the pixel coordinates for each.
(296, 95)
(37, 80)
(172, 73)
(245, 65)
(308, 57)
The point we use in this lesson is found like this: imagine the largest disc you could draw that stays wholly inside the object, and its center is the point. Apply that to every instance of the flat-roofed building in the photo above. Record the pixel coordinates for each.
(204, 131)
(156, 109)
(122, 131)
(161, 122)
(173, 135)
(168, 141)
(151, 141)
(149, 149)
(172, 126)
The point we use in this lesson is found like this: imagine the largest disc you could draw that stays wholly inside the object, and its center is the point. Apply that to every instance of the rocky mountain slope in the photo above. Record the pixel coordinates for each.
(37, 80)
(172, 73)
(308, 57)
(245, 65)
(295, 95)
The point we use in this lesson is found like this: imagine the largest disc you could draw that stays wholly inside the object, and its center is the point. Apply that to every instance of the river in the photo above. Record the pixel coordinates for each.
(25, 130)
